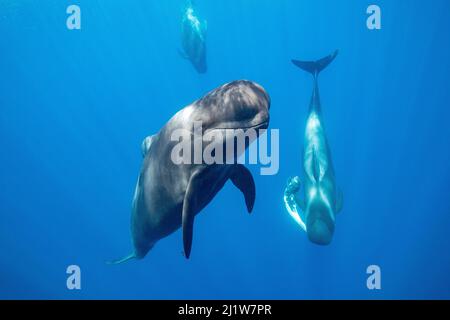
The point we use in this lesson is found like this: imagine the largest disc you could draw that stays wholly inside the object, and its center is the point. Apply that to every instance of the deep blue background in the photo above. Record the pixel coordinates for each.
(75, 106)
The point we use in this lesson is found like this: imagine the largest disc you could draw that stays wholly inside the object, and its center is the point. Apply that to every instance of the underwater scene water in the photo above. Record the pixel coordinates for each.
(76, 104)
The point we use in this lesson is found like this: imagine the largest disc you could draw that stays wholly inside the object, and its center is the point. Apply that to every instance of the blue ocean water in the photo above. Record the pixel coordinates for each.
(76, 104)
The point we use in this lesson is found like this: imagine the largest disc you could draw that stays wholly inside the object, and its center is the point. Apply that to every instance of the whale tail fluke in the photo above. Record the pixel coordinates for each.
(122, 260)
(315, 67)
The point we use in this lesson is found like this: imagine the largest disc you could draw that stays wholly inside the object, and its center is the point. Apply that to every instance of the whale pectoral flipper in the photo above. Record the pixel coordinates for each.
(294, 205)
(122, 260)
(291, 193)
(146, 144)
(189, 204)
(243, 180)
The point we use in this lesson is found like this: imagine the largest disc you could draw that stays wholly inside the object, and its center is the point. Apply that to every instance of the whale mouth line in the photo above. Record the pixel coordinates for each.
(262, 124)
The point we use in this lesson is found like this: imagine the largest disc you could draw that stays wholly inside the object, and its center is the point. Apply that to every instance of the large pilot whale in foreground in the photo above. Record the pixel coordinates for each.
(314, 208)
(169, 195)
(193, 39)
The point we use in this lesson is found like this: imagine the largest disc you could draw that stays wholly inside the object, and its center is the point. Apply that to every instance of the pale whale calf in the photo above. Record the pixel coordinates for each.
(169, 195)
(315, 207)
(193, 39)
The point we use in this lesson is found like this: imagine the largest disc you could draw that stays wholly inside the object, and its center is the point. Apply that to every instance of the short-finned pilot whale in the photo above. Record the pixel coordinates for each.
(193, 39)
(315, 207)
(169, 195)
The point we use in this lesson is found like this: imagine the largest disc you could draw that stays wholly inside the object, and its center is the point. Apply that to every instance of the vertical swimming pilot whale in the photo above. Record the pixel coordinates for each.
(320, 200)
(169, 195)
(193, 39)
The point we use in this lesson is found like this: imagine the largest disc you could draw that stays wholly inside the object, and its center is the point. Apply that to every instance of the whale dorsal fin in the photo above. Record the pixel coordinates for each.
(243, 180)
(146, 144)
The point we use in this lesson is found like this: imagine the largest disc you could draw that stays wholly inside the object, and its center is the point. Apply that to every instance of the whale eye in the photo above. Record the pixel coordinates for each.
(245, 112)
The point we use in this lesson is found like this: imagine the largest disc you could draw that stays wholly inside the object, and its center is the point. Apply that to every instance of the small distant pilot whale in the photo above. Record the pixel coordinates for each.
(316, 207)
(169, 195)
(193, 39)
